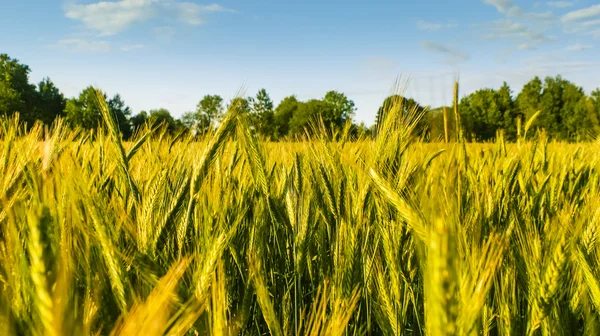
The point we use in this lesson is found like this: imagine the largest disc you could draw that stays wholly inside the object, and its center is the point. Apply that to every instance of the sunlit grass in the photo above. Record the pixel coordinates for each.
(228, 235)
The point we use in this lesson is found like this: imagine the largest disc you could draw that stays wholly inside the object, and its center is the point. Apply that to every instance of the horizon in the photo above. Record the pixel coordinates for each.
(169, 54)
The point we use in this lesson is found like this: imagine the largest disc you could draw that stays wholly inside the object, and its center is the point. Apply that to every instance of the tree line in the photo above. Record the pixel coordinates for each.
(567, 112)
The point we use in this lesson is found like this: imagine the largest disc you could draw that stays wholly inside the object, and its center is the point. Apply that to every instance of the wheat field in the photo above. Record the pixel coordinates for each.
(230, 235)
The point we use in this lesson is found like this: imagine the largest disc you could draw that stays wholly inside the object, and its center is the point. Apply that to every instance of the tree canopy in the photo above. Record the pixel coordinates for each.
(262, 114)
(43, 102)
(408, 108)
(163, 116)
(84, 111)
(51, 103)
(566, 112)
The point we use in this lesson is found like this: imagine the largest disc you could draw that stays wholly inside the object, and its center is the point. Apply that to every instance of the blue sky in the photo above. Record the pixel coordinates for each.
(170, 53)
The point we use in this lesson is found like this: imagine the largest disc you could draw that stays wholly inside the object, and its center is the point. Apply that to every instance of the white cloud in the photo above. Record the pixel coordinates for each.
(524, 35)
(110, 18)
(81, 45)
(193, 14)
(501, 5)
(216, 8)
(454, 55)
(539, 16)
(526, 28)
(508, 8)
(514, 11)
(526, 46)
(583, 21)
(578, 47)
(425, 25)
(560, 4)
(505, 6)
(506, 28)
(132, 47)
(582, 14)
(590, 23)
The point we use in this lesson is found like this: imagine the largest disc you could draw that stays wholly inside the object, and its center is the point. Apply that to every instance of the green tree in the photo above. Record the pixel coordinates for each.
(138, 120)
(482, 114)
(434, 121)
(551, 105)
(84, 111)
(507, 106)
(242, 104)
(262, 114)
(529, 99)
(595, 99)
(16, 94)
(409, 108)
(360, 131)
(51, 102)
(564, 115)
(576, 118)
(163, 116)
(122, 113)
(343, 108)
(309, 114)
(208, 111)
(283, 114)
(486, 111)
(188, 120)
